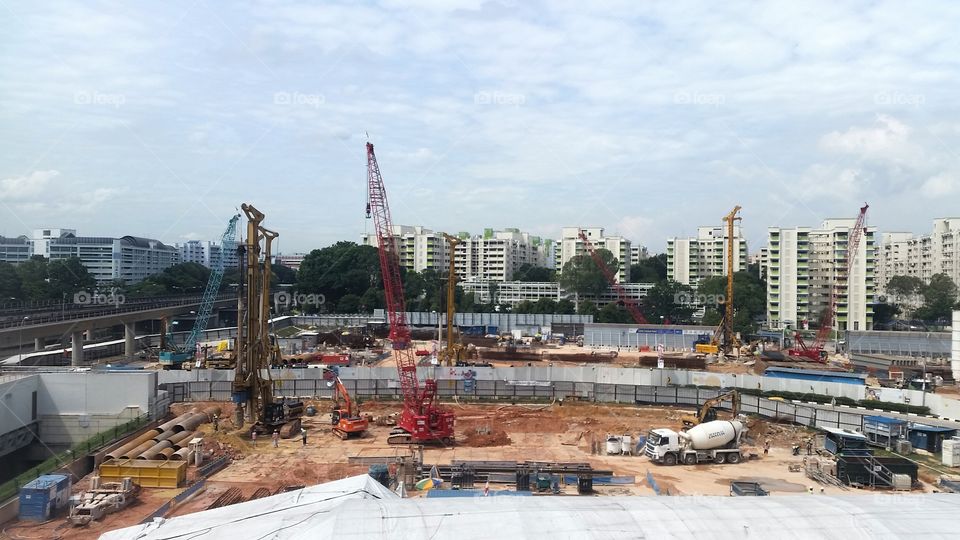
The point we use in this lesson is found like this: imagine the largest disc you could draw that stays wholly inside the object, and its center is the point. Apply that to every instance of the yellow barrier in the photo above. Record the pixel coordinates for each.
(146, 473)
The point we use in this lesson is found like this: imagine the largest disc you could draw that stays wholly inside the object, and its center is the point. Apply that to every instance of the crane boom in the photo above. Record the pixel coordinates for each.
(628, 303)
(840, 282)
(422, 419)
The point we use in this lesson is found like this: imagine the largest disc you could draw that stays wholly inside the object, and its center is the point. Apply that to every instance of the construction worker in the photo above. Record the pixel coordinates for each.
(253, 436)
(810, 446)
(810, 490)
(303, 435)
(766, 447)
(276, 439)
(216, 422)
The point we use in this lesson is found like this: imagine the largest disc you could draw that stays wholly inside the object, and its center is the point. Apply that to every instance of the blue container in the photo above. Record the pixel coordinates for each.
(40, 498)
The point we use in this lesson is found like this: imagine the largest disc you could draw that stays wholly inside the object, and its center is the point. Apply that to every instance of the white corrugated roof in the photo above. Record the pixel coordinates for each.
(358, 507)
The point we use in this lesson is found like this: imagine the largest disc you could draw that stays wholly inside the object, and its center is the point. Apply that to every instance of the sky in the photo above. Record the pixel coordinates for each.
(650, 119)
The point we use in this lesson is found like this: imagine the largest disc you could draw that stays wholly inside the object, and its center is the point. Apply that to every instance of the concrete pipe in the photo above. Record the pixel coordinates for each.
(165, 453)
(190, 423)
(138, 450)
(181, 439)
(180, 455)
(169, 425)
(147, 435)
(165, 435)
(151, 453)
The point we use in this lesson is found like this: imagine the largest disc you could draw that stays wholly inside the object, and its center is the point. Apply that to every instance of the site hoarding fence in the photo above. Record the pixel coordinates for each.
(501, 390)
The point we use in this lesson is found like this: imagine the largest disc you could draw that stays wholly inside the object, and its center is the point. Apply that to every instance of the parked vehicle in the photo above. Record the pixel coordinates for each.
(717, 442)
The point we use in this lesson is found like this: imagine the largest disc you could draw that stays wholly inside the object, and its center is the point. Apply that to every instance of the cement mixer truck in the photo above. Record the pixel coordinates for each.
(711, 442)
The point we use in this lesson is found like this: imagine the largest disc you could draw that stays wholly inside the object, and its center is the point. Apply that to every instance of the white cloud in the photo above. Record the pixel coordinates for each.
(888, 140)
(27, 187)
(940, 185)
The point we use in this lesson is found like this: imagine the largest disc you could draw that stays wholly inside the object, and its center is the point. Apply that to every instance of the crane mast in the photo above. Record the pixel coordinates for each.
(451, 353)
(728, 337)
(628, 303)
(422, 419)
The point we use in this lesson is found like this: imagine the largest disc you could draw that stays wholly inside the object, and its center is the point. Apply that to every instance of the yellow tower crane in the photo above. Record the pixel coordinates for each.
(451, 354)
(730, 341)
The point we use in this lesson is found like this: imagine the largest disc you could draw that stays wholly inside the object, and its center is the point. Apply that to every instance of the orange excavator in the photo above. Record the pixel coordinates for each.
(346, 422)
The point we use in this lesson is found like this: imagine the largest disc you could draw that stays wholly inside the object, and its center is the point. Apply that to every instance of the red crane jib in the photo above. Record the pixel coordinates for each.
(628, 303)
(422, 417)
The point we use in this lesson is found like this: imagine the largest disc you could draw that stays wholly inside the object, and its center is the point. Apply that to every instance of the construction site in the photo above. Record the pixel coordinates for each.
(573, 417)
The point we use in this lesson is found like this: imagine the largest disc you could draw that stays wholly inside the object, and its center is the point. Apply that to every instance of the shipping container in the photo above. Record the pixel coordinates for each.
(41, 498)
(883, 431)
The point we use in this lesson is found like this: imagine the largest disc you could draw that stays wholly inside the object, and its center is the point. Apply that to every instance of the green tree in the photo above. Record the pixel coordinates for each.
(614, 313)
(10, 283)
(650, 270)
(283, 274)
(545, 306)
(582, 276)
(337, 270)
(33, 278)
(566, 307)
(587, 307)
(904, 286)
(663, 303)
(183, 278)
(749, 300)
(372, 299)
(529, 272)
(67, 277)
(349, 303)
(525, 306)
(884, 312)
(939, 298)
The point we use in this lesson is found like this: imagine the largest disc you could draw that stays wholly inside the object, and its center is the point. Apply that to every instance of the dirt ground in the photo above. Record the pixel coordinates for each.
(566, 433)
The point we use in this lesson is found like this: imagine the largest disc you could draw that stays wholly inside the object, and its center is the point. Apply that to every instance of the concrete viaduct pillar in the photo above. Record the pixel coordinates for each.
(129, 343)
(38, 344)
(77, 344)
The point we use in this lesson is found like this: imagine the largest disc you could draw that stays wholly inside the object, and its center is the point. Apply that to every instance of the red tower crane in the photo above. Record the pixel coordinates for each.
(628, 303)
(423, 419)
(840, 282)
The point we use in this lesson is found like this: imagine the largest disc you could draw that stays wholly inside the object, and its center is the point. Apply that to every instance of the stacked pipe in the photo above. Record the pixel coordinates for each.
(167, 441)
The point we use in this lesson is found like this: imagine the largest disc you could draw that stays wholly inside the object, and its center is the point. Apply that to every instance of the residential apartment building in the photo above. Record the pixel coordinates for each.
(803, 265)
(420, 248)
(637, 254)
(207, 253)
(514, 292)
(291, 261)
(15, 250)
(571, 245)
(903, 254)
(492, 256)
(130, 258)
(691, 259)
(497, 255)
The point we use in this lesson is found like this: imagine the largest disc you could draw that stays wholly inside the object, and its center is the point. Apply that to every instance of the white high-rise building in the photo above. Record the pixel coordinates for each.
(802, 266)
(43, 237)
(496, 255)
(15, 250)
(206, 253)
(571, 245)
(903, 254)
(129, 259)
(691, 259)
(637, 254)
(420, 248)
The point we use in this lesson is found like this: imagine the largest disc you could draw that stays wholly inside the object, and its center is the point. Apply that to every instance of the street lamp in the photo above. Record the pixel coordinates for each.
(20, 340)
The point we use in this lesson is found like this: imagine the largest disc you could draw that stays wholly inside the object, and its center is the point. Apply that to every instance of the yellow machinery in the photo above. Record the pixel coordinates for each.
(724, 338)
(708, 409)
(451, 354)
(145, 472)
(255, 348)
